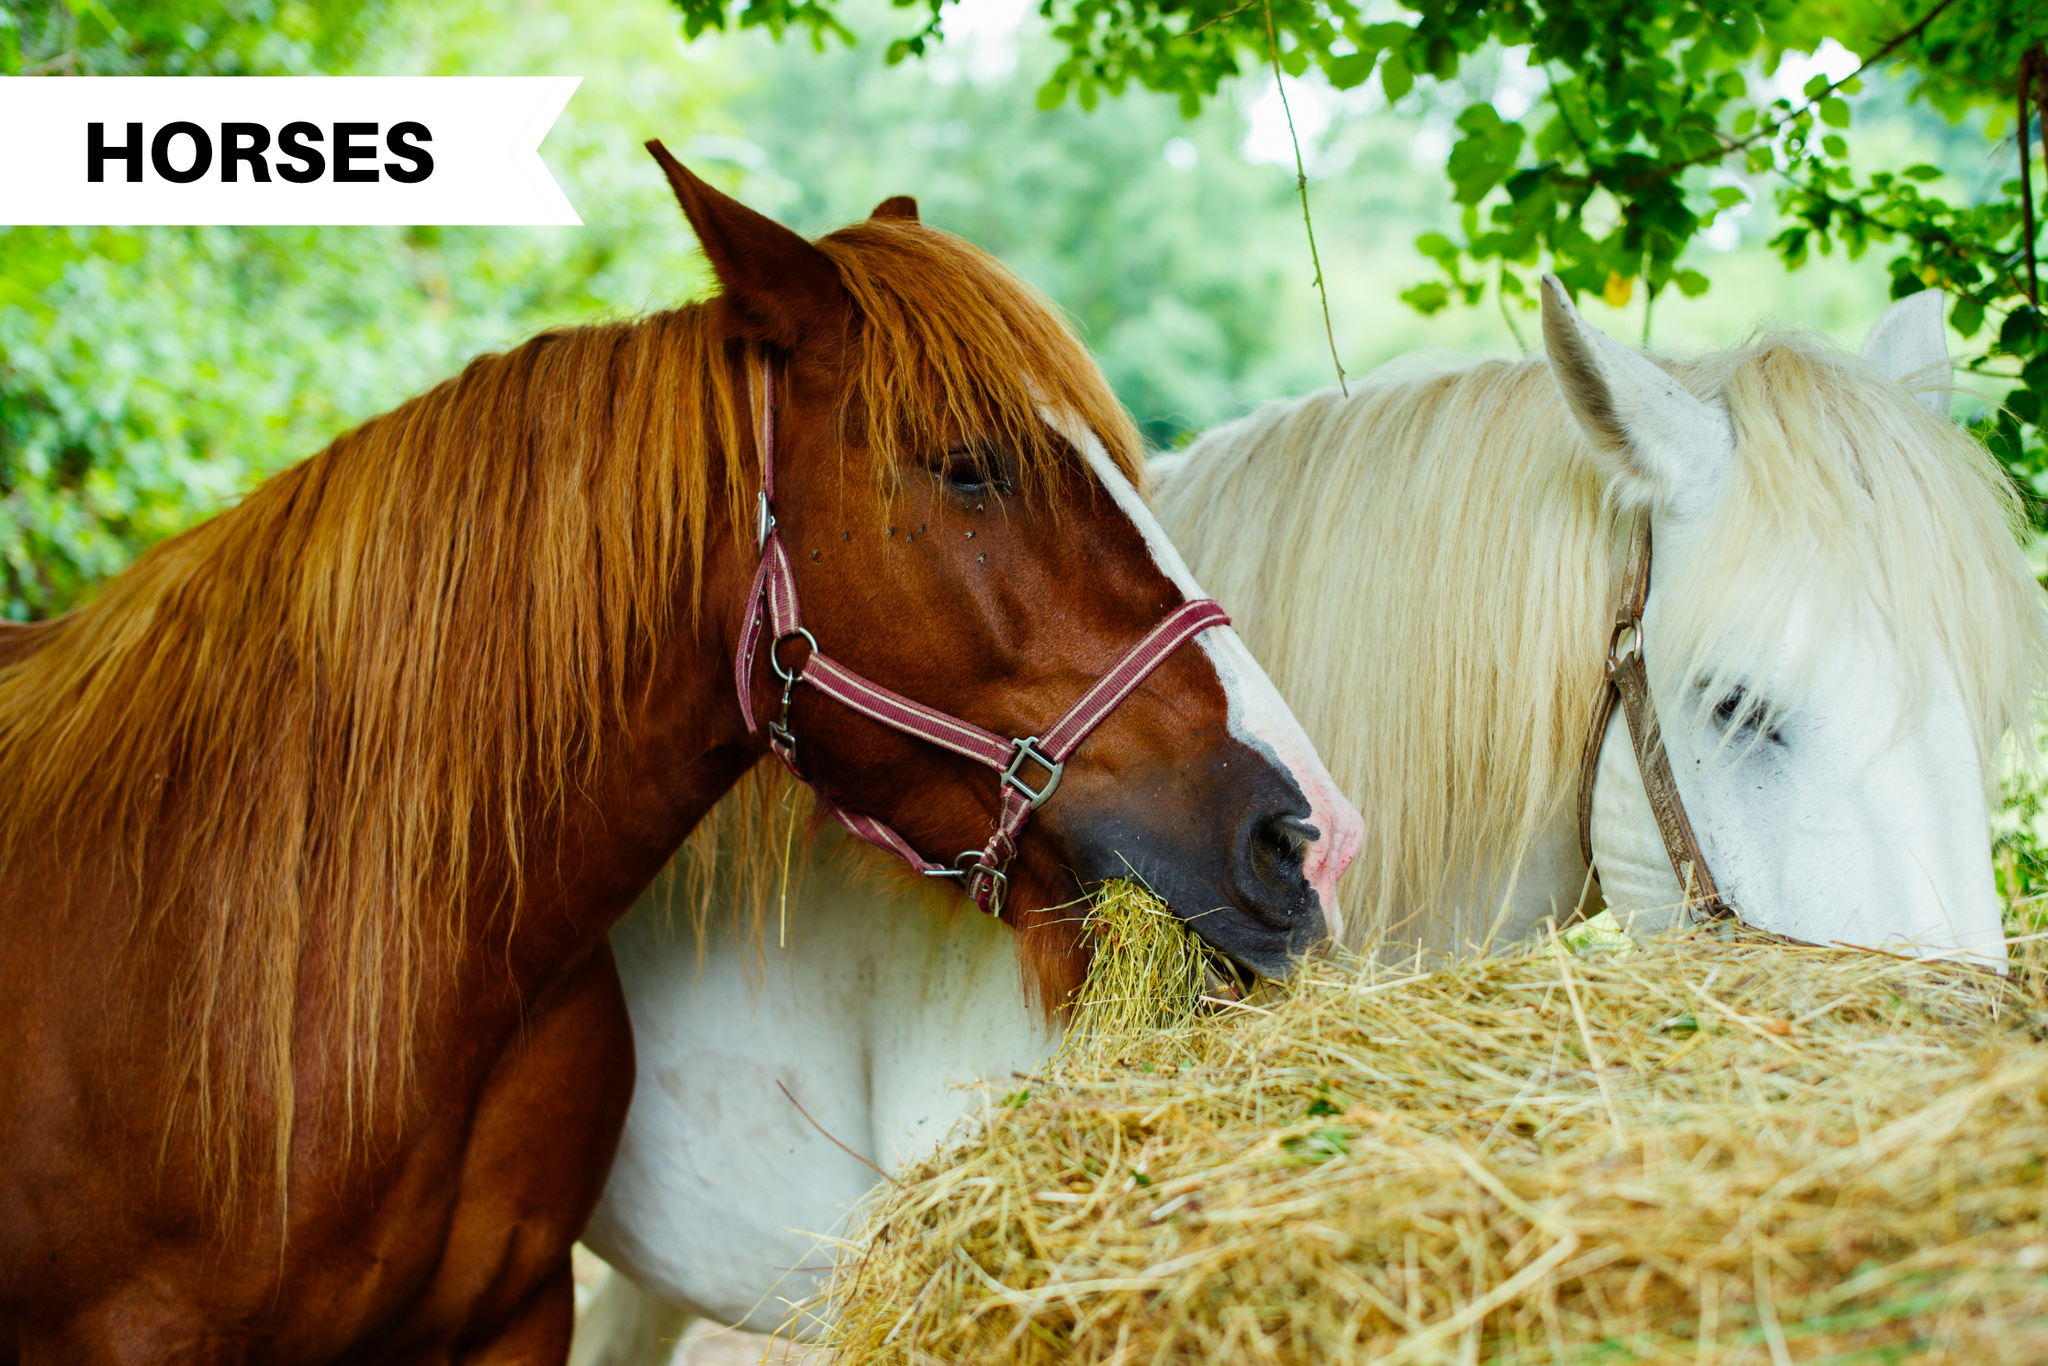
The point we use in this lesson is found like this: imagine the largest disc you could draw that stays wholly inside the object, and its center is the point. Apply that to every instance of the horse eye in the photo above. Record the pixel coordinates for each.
(971, 473)
(1737, 709)
(1727, 707)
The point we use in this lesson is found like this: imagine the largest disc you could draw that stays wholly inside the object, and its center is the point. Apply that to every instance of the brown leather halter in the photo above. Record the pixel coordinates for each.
(1628, 680)
(775, 616)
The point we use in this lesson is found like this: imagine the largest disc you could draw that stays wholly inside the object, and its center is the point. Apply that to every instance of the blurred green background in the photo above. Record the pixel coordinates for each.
(148, 376)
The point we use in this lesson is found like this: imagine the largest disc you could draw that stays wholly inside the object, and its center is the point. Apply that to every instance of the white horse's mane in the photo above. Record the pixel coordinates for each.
(1451, 543)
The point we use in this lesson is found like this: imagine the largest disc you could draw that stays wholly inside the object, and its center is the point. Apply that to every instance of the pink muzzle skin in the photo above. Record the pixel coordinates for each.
(1030, 767)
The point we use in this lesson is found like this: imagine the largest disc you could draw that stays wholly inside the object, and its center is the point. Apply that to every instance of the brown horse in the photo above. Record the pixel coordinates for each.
(313, 823)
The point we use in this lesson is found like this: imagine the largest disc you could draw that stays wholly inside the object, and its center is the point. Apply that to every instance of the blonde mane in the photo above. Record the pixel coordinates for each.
(301, 733)
(1427, 568)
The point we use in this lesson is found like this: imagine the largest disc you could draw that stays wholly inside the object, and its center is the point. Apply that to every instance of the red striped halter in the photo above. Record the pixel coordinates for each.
(773, 598)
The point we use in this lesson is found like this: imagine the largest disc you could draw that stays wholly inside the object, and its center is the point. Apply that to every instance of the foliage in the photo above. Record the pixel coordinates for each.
(1651, 112)
(1174, 266)
(180, 37)
(148, 376)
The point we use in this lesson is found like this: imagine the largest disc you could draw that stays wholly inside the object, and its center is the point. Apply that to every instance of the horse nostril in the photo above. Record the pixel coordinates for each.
(1286, 839)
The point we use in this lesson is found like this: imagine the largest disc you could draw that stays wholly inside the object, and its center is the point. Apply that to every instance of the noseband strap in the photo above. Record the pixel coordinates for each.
(1030, 767)
(1627, 680)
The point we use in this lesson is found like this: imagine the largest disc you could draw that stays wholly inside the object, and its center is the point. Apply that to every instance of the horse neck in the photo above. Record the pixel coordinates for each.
(681, 745)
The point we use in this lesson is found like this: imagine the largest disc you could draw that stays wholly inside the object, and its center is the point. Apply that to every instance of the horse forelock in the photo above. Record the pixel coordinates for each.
(1863, 505)
(955, 343)
(1432, 648)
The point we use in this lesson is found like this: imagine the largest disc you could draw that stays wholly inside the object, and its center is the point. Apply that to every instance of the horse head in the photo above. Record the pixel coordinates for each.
(954, 493)
(1833, 563)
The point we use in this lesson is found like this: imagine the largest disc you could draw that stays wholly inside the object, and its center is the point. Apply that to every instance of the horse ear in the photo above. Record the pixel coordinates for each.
(1659, 446)
(897, 206)
(1910, 345)
(778, 287)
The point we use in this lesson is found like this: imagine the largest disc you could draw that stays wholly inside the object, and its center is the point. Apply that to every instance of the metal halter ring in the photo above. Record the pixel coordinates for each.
(1027, 749)
(1632, 631)
(776, 664)
(966, 864)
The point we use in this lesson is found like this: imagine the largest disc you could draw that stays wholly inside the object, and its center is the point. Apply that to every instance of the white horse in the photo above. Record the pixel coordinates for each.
(1841, 633)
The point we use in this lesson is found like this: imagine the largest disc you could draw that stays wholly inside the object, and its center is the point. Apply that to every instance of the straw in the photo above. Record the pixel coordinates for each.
(1716, 1149)
(1145, 981)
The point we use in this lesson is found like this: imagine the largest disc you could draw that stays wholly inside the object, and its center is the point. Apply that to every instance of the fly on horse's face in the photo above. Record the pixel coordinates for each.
(1832, 778)
(992, 563)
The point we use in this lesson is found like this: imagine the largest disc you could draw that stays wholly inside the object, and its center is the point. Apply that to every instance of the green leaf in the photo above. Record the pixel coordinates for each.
(1922, 171)
(1436, 246)
(1428, 297)
(1817, 86)
(1834, 112)
(1728, 196)
(1349, 71)
(2022, 332)
(1833, 145)
(1966, 317)
(1690, 283)
(1745, 121)
(1396, 79)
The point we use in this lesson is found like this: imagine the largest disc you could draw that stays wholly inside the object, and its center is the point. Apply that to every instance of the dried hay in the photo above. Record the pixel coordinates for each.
(1145, 984)
(1713, 1150)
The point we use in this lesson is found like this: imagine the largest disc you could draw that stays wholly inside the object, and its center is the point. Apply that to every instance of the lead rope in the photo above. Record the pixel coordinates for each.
(1627, 680)
(1023, 790)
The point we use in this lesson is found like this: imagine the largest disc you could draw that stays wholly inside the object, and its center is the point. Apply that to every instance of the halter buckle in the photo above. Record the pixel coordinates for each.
(966, 865)
(764, 520)
(1027, 749)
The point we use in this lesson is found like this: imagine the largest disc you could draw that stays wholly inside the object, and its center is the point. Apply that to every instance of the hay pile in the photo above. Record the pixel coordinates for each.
(1709, 1151)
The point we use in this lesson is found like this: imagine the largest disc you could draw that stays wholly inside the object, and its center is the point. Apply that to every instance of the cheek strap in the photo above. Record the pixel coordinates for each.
(1627, 680)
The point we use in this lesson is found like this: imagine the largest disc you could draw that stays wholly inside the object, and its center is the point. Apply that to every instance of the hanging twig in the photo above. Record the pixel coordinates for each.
(2033, 67)
(1301, 183)
(1227, 14)
(828, 1135)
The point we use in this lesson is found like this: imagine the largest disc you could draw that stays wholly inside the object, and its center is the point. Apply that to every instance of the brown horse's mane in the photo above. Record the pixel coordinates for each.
(302, 730)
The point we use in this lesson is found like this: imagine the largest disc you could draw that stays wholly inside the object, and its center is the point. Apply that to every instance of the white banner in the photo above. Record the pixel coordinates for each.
(131, 150)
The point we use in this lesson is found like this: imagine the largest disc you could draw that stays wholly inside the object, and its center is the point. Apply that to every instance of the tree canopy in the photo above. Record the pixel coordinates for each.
(1610, 176)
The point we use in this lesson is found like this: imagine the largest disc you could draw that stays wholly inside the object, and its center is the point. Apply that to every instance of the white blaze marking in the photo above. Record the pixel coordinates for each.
(1259, 718)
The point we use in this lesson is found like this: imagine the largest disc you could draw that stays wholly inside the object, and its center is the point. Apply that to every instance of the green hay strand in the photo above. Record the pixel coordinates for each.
(1144, 986)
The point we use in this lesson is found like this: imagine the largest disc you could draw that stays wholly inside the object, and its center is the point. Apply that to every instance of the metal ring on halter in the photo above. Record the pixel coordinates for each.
(965, 863)
(775, 663)
(1632, 631)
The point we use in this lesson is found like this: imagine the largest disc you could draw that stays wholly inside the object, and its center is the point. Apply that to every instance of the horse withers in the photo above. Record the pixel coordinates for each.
(313, 822)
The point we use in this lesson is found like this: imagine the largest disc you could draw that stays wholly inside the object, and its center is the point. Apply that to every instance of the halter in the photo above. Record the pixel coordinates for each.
(1030, 767)
(1628, 680)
